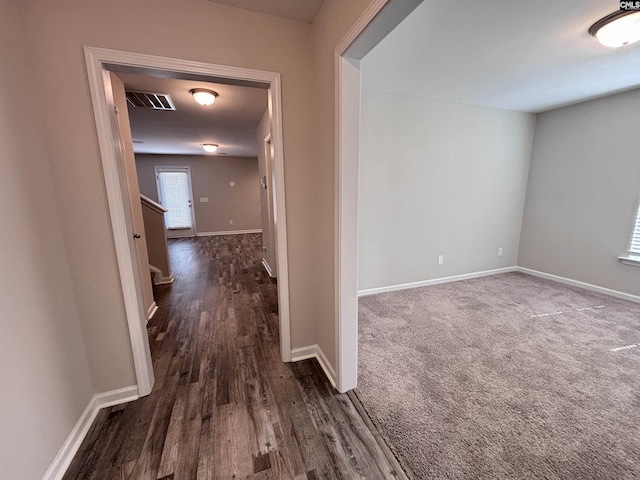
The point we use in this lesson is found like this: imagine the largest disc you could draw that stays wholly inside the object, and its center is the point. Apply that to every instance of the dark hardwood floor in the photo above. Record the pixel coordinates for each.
(224, 405)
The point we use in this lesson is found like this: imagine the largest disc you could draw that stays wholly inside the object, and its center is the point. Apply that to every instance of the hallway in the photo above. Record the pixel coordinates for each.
(224, 405)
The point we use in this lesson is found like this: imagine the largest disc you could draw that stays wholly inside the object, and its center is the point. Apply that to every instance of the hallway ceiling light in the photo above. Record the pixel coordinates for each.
(617, 29)
(209, 147)
(203, 96)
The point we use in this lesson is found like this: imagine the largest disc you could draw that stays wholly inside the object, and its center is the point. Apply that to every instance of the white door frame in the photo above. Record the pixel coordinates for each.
(161, 168)
(98, 62)
(271, 198)
(376, 22)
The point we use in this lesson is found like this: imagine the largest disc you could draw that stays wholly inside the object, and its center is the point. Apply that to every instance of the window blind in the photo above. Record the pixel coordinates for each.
(635, 240)
(174, 190)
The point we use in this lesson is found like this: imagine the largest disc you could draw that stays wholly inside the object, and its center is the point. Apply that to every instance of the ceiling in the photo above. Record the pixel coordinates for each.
(520, 55)
(302, 10)
(230, 122)
(514, 55)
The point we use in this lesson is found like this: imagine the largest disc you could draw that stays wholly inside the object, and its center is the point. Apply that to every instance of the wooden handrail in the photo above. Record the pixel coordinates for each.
(152, 205)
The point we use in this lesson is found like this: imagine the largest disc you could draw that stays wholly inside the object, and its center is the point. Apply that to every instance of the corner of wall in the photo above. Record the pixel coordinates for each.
(315, 351)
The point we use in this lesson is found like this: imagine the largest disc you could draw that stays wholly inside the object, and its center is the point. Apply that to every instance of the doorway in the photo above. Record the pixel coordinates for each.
(381, 17)
(176, 195)
(100, 62)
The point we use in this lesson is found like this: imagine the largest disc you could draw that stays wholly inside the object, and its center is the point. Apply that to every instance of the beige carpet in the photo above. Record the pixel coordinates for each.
(508, 376)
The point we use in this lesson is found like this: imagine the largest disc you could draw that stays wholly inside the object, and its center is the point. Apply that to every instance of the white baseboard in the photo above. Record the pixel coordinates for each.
(314, 351)
(304, 353)
(576, 283)
(163, 280)
(266, 266)
(152, 311)
(230, 232)
(158, 277)
(71, 445)
(434, 281)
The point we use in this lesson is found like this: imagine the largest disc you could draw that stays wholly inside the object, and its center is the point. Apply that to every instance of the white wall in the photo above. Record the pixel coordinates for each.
(438, 178)
(583, 192)
(331, 24)
(44, 374)
(211, 177)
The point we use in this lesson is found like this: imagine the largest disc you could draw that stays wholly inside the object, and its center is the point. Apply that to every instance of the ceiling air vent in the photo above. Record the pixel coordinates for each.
(157, 101)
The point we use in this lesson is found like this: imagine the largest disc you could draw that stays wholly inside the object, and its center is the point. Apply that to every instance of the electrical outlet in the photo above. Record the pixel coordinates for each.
(230, 222)
(440, 259)
(500, 252)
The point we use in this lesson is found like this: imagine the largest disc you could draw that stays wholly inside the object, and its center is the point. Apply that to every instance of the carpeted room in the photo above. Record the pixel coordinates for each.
(513, 374)
(504, 376)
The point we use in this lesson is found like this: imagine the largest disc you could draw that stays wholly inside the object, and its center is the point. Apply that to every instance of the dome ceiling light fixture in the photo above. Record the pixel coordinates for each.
(203, 96)
(617, 29)
(210, 147)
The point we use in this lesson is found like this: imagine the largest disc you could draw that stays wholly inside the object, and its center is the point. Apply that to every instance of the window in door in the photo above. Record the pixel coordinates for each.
(174, 192)
(634, 249)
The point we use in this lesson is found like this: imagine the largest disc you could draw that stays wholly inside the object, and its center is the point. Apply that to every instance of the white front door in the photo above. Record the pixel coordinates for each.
(174, 193)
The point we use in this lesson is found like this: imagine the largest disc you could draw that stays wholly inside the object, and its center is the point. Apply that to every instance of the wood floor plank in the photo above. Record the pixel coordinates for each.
(189, 444)
(224, 405)
(149, 459)
(169, 457)
(208, 431)
(260, 403)
(233, 459)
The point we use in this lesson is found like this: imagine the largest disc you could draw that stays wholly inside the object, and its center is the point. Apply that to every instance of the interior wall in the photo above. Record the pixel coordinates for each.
(583, 192)
(231, 185)
(331, 24)
(438, 178)
(195, 30)
(44, 373)
(265, 171)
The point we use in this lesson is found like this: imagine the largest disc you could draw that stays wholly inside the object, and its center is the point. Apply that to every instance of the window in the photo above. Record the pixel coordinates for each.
(635, 240)
(175, 196)
(633, 257)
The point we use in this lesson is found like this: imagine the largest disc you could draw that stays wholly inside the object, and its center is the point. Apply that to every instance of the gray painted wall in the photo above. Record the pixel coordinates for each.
(438, 178)
(44, 372)
(211, 177)
(331, 24)
(583, 192)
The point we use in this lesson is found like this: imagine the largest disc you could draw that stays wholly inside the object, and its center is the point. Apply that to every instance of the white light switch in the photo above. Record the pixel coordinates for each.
(204, 199)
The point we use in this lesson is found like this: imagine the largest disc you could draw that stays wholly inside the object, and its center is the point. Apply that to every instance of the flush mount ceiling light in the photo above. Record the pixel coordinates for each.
(209, 147)
(203, 96)
(617, 29)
